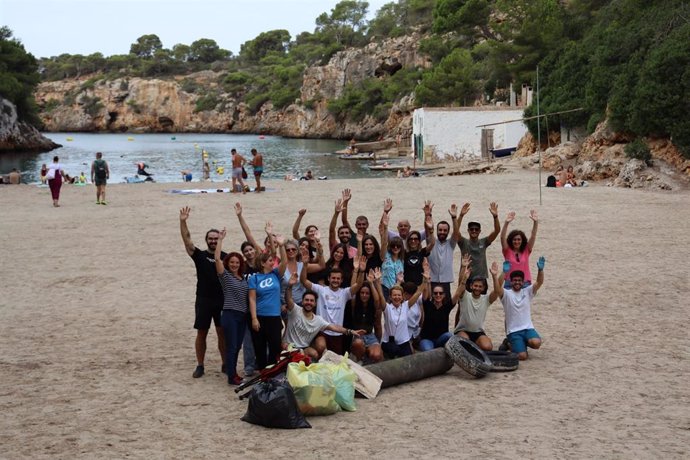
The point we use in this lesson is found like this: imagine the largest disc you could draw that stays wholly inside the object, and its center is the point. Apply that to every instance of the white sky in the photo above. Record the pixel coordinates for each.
(53, 27)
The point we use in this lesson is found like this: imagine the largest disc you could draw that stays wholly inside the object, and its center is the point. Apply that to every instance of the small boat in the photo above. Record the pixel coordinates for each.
(360, 156)
(504, 152)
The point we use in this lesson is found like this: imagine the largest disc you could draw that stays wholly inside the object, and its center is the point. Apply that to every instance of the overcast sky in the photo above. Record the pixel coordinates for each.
(53, 27)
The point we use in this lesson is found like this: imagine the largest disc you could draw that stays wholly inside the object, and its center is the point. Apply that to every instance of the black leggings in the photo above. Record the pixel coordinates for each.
(270, 328)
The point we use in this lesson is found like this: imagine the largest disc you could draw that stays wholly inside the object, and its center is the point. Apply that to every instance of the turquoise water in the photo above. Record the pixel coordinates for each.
(168, 154)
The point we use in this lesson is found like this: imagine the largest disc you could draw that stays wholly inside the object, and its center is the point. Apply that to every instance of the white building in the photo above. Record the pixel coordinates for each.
(456, 133)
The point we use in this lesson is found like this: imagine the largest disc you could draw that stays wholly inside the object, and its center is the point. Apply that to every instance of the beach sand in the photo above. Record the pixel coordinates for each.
(97, 343)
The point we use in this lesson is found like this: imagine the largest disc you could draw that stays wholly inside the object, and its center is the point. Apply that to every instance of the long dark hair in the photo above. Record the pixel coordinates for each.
(346, 264)
(357, 301)
(377, 247)
(515, 233)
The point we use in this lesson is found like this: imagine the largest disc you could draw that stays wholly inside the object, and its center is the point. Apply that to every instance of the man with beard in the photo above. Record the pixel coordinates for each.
(303, 325)
(344, 233)
(441, 255)
(209, 294)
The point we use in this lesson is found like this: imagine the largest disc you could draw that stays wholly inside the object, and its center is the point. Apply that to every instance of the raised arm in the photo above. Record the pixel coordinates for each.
(298, 222)
(493, 209)
(320, 261)
(347, 196)
(429, 227)
(501, 278)
(494, 278)
(245, 228)
(289, 303)
(540, 275)
(453, 211)
(463, 276)
(280, 241)
(463, 211)
(220, 269)
(383, 230)
(535, 224)
(332, 237)
(420, 288)
(504, 231)
(184, 231)
(360, 268)
(303, 274)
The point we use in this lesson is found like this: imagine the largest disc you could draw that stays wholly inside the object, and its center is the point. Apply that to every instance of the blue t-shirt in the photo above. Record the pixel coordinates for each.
(267, 287)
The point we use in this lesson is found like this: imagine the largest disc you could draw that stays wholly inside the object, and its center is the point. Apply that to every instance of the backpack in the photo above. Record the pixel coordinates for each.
(101, 172)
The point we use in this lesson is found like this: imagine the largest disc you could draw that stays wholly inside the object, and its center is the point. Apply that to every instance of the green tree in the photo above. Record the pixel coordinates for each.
(346, 25)
(274, 41)
(18, 76)
(146, 46)
(465, 17)
(452, 82)
(207, 50)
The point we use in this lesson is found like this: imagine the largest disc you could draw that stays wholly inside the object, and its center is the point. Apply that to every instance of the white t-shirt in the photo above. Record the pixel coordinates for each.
(517, 308)
(472, 312)
(396, 323)
(441, 261)
(414, 317)
(330, 304)
(300, 331)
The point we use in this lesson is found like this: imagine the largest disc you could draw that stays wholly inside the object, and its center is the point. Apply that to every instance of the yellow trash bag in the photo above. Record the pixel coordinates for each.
(314, 388)
(344, 379)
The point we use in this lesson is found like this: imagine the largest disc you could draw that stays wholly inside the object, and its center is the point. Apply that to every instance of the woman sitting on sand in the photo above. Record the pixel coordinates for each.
(234, 316)
(396, 340)
(570, 177)
(365, 312)
(516, 247)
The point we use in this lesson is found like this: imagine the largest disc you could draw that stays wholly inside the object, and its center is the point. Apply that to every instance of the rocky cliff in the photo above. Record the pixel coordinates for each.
(154, 105)
(20, 136)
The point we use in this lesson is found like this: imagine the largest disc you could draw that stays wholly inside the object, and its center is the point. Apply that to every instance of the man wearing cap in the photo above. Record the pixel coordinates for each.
(475, 246)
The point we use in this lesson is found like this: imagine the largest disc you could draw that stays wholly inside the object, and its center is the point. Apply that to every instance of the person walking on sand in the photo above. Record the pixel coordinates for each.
(209, 293)
(100, 173)
(237, 162)
(258, 165)
(55, 175)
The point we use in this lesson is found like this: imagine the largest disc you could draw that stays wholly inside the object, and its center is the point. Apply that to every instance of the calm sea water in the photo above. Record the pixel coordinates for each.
(168, 154)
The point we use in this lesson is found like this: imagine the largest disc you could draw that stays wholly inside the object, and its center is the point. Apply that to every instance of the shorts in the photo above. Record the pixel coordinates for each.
(237, 173)
(98, 181)
(474, 336)
(206, 310)
(518, 339)
(335, 343)
(369, 339)
(258, 170)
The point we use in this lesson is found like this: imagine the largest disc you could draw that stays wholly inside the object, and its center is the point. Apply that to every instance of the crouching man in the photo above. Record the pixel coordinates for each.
(517, 305)
(303, 325)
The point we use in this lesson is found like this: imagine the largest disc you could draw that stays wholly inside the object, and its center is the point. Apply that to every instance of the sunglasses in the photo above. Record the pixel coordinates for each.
(290, 249)
(438, 293)
(474, 229)
(412, 238)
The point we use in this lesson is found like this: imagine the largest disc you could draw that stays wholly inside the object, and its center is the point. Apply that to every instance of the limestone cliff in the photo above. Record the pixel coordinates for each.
(19, 136)
(156, 105)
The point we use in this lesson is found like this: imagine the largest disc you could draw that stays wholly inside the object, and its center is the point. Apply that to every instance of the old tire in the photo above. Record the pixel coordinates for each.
(468, 356)
(503, 361)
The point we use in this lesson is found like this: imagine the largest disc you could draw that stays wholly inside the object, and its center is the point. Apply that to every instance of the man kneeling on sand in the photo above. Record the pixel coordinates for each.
(303, 325)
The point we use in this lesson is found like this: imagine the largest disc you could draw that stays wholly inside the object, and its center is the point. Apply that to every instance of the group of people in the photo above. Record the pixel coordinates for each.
(377, 298)
(563, 178)
(239, 173)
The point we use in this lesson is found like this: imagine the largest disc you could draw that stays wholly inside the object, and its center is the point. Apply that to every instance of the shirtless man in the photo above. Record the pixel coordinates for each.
(237, 162)
(258, 165)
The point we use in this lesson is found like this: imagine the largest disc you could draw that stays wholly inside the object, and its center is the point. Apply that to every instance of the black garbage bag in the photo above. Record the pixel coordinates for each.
(272, 404)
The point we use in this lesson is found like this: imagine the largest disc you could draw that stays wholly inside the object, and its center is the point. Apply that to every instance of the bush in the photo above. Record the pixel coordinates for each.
(92, 105)
(638, 150)
(206, 102)
(189, 86)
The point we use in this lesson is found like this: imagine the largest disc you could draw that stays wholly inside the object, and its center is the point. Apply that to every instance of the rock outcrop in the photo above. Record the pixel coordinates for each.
(162, 105)
(19, 136)
(601, 157)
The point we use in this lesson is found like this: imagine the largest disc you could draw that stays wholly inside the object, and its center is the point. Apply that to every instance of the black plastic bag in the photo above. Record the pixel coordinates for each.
(272, 404)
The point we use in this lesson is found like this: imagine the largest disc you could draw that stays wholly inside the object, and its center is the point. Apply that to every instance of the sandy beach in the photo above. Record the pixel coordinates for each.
(97, 343)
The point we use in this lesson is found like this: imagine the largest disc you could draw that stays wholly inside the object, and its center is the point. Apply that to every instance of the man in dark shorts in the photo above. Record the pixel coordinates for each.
(258, 165)
(100, 173)
(209, 294)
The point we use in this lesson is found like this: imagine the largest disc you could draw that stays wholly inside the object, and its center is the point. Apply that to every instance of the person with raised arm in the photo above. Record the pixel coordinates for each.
(294, 266)
(396, 341)
(230, 270)
(344, 233)
(415, 254)
(517, 306)
(471, 314)
(392, 254)
(331, 302)
(516, 247)
(209, 293)
(264, 303)
(361, 223)
(441, 255)
(475, 246)
(366, 310)
(303, 325)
